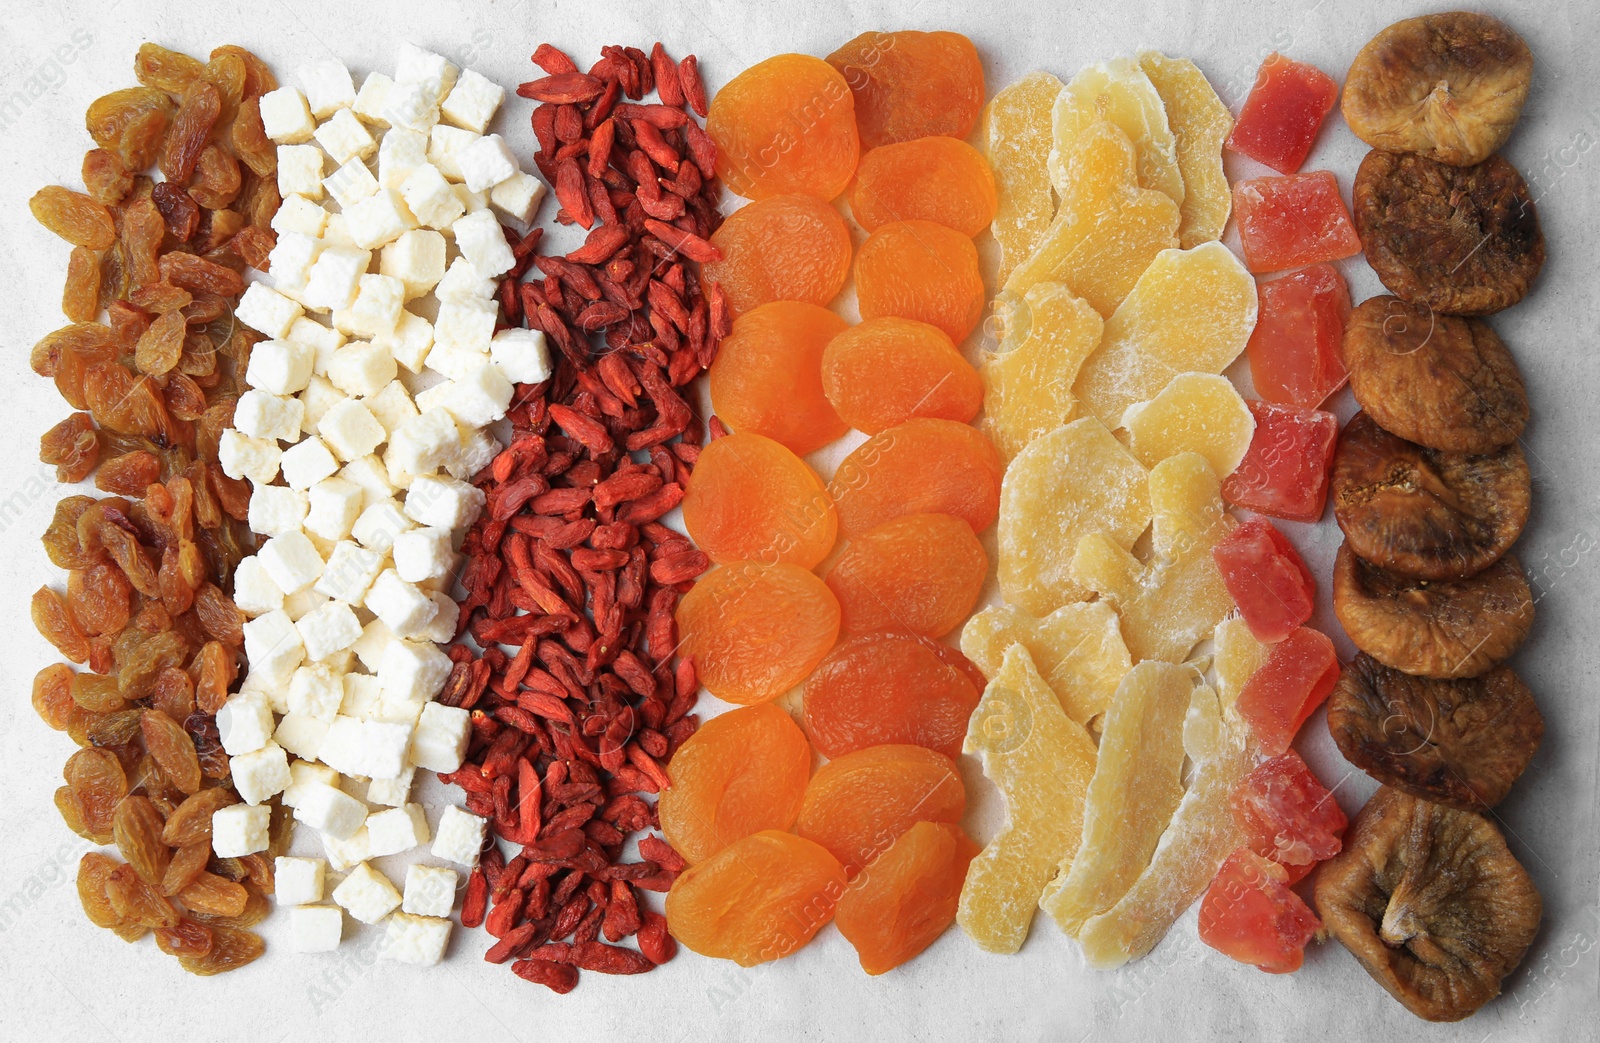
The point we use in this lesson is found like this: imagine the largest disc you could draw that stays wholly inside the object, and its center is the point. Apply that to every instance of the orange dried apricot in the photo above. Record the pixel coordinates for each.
(912, 84)
(860, 803)
(920, 573)
(890, 687)
(920, 466)
(760, 899)
(944, 180)
(752, 499)
(743, 771)
(920, 270)
(768, 375)
(755, 630)
(883, 372)
(787, 124)
(783, 248)
(906, 899)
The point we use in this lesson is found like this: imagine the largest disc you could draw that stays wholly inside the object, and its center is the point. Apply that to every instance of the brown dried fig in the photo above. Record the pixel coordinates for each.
(1461, 743)
(1423, 513)
(1462, 240)
(1431, 901)
(1439, 628)
(1441, 381)
(1446, 86)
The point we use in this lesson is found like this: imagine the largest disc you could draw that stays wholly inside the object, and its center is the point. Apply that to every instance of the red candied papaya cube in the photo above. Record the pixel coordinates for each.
(1288, 815)
(1284, 473)
(1296, 353)
(1283, 113)
(1292, 221)
(1293, 680)
(1269, 582)
(1250, 914)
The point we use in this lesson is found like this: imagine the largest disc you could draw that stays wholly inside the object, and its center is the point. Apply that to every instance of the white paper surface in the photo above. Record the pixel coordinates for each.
(64, 979)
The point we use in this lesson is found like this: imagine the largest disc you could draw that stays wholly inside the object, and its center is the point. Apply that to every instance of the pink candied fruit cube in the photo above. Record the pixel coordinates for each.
(1283, 113)
(1288, 815)
(1292, 221)
(1249, 914)
(1297, 675)
(1284, 473)
(1267, 578)
(1296, 350)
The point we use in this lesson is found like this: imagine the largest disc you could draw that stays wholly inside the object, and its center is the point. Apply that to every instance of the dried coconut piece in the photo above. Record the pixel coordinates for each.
(1078, 649)
(1195, 413)
(1018, 130)
(1075, 481)
(1045, 337)
(1201, 834)
(1168, 605)
(1137, 784)
(1107, 230)
(1237, 656)
(1041, 761)
(1119, 91)
(1200, 124)
(1190, 312)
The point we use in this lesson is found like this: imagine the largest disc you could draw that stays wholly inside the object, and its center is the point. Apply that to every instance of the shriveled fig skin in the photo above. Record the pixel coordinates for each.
(1462, 240)
(1462, 743)
(1445, 628)
(1441, 381)
(1424, 513)
(1431, 902)
(1446, 86)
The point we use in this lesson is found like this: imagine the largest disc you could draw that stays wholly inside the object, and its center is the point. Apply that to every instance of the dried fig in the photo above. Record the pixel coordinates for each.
(1462, 240)
(1432, 903)
(1423, 513)
(1442, 381)
(1461, 743)
(1446, 86)
(1440, 628)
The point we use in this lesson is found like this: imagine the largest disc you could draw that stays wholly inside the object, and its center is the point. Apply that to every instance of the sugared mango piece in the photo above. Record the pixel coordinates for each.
(1200, 124)
(1195, 413)
(1078, 649)
(1118, 91)
(1018, 131)
(1045, 336)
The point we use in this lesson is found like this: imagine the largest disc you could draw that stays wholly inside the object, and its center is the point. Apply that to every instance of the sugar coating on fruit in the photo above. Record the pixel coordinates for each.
(1298, 673)
(1248, 913)
(1195, 413)
(859, 803)
(1018, 133)
(1236, 657)
(1117, 91)
(1074, 482)
(1190, 312)
(1108, 228)
(1137, 783)
(1291, 221)
(767, 376)
(1201, 834)
(785, 125)
(1041, 760)
(920, 573)
(890, 687)
(783, 248)
(920, 270)
(751, 499)
(939, 179)
(1078, 649)
(1045, 336)
(1200, 124)
(907, 897)
(922, 466)
(1169, 603)
(885, 371)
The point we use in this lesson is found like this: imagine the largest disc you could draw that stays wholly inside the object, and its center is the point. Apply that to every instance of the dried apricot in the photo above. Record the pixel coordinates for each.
(920, 270)
(883, 372)
(767, 377)
(762, 898)
(912, 84)
(782, 248)
(752, 499)
(860, 803)
(1077, 649)
(756, 630)
(891, 688)
(742, 772)
(904, 901)
(784, 125)
(920, 573)
(944, 180)
(918, 467)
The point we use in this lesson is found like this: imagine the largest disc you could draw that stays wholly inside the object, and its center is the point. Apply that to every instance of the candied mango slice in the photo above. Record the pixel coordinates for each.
(1237, 656)
(1201, 834)
(1041, 760)
(1195, 413)
(906, 899)
(1018, 130)
(1117, 91)
(1166, 606)
(1191, 312)
(1077, 648)
(1107, 230)
(1045, 336)
(1137, 783)
(1200, 124)
(1075, 481)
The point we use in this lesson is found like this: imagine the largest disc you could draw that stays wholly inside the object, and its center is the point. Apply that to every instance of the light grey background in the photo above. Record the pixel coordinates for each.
(64, 979)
